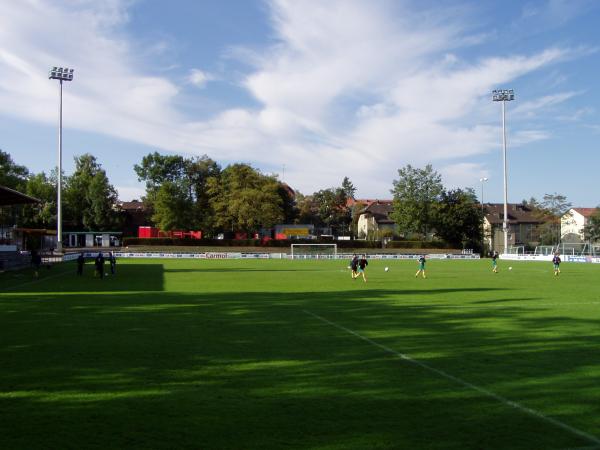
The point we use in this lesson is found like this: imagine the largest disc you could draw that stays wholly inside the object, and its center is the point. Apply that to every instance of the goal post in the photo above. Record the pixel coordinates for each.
(313, 251)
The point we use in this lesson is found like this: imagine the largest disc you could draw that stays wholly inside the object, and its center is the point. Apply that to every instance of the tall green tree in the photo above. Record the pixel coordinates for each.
(188, 180)
(306, 210)
(243, 199)
(90, 200)
(12, 175)
(157, 169)
(332, 209)
(198, 172)
(348, 188)
(415, 193)
(172, 209)
(457, 218)
(43, 188)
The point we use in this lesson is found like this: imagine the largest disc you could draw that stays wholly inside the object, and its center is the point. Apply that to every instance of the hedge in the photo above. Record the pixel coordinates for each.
(418, 244)
(283, 243)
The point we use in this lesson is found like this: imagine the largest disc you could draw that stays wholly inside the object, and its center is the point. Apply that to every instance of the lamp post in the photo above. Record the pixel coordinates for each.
(482, 180)
(504, 95)
(61, 74)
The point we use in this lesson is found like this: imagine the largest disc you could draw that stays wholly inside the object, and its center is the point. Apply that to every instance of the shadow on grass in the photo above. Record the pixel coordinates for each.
(253, 370)
(63, 278)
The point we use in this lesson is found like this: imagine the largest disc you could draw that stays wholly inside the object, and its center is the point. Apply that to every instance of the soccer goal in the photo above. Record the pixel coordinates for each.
(313, 251)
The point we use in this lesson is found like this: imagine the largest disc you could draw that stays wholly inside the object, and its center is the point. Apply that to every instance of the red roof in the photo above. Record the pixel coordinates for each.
(586, 212)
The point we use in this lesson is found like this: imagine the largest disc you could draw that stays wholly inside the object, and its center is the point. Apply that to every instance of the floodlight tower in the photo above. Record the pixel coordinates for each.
(504, 95)
(61, 74)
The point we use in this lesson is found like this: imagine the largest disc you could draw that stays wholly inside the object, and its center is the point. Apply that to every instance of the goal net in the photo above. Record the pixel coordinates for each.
(313, 251)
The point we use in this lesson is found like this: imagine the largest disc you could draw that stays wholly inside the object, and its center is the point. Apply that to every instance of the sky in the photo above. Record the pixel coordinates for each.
(311, 91)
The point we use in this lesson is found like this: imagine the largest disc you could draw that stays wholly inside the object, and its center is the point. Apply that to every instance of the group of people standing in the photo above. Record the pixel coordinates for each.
(555, 262)
(98, 264)
(359, 265)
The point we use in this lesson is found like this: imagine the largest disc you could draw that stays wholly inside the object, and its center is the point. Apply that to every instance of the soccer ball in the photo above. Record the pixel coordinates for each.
(510, 268)
(386, 269)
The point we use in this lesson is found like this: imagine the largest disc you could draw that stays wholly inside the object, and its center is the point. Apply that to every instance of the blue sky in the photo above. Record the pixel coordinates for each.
(313, 90)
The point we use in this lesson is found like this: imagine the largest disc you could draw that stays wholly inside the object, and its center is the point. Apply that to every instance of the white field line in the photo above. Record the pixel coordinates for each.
(462, 382)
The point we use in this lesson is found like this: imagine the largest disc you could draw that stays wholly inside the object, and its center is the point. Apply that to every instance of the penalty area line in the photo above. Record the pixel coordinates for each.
(441, 373)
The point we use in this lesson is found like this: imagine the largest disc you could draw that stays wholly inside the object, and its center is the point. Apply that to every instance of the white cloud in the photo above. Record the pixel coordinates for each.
(532, 107)
(199, 78)
(412, 99)
(463, 175)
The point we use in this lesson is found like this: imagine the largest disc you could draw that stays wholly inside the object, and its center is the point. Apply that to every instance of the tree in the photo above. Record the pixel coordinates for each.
(457, 218)
(12, 175)
(172, 208)
(156, 169)
(288, 202)
(348, 188)
(415, 193)
(549, 211)
(556, 204)
(185, 178)
(90, 199)
(592, 229)
(44, 189)
(306, 209)
(243, 199)
(331, 207)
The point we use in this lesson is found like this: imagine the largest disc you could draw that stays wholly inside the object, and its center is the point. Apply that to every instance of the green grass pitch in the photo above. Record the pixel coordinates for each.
(270, 354)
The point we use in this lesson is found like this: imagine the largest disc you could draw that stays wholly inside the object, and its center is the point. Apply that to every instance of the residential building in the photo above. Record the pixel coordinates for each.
(573, 223)
(523, 226)
(374, 220)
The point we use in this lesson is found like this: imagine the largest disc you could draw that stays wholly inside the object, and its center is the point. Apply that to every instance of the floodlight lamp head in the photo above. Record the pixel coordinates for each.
(503, 95)
(61, 73)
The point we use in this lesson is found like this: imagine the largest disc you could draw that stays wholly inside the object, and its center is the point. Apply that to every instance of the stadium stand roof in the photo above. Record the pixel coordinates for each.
(9, 196)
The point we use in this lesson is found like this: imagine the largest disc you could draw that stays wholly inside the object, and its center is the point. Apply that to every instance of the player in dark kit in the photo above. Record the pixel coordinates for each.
(36, 262)
(80, 264)
(99, 262)
(113, 263)
(556, 262)
(362, 266)
(354, 266)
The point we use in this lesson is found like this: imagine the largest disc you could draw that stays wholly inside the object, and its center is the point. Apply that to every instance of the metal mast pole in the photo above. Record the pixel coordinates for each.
(59, 246)
(505, 221)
